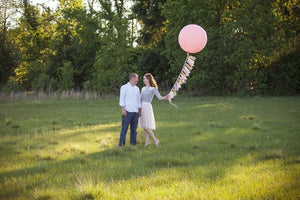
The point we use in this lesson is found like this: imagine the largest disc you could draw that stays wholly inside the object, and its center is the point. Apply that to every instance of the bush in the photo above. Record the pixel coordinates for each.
(12, 86)
(41, 82)
(65, 75)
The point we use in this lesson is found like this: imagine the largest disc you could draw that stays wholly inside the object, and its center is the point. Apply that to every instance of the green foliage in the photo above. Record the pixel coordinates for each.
(252, 47)
(115, 58)
(33, 38)
(65, 76)
(78, 40)
(12, 86)
(112, 69)
(8, 59)
(41, 82)
(9, 55)
(153, 61)
(244, 38)
(153, 22)
(150, 57)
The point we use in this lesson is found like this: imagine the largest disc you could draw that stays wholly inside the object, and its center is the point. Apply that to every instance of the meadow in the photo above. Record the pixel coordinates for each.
(211, 148)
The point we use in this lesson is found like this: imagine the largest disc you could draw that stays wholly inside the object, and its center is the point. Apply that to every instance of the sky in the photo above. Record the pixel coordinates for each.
(51, 3)
(54, 3)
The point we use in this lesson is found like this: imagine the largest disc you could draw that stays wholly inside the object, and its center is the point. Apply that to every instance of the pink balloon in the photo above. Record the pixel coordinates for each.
(192, 38)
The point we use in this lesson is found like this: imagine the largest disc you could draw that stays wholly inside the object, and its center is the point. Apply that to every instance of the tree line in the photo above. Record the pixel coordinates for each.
(252, 49)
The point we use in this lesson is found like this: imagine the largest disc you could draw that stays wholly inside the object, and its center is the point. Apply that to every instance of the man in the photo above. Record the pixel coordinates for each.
(131, 109)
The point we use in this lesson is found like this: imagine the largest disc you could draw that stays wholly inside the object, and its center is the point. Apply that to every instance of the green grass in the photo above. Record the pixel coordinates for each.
(211, 148)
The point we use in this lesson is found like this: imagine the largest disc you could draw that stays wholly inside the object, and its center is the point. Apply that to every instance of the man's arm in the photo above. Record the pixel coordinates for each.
(124, 111)
(140, 104)
(122, 101)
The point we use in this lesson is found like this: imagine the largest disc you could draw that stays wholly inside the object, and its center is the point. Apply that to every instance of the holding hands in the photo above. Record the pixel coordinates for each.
(165, 97)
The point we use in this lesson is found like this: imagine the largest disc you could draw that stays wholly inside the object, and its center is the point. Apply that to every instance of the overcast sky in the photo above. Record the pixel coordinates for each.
(51, 3)
(54, 3)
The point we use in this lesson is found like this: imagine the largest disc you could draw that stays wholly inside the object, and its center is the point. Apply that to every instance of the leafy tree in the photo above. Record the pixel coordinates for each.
(76, 41)
(65, 76)
(33, 38)
(252, 48)
(243, 38)
(151, 40)
(9, 54)
(152, 21)
(114, 60)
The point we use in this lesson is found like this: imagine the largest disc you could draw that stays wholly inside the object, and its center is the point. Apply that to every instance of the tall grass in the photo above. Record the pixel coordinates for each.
(43, 95)
(211, 148)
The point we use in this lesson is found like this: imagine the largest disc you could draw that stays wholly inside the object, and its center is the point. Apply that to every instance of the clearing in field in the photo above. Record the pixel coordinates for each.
(211, 148)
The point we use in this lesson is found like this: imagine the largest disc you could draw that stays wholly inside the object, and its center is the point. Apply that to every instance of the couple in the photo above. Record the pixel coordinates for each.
(135, 105)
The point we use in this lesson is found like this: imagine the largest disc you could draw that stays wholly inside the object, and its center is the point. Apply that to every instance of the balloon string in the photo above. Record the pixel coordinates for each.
(184, 73)
(172, 104)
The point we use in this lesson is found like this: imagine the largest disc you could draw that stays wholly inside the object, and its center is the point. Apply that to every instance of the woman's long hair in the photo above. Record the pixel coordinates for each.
(151, 79)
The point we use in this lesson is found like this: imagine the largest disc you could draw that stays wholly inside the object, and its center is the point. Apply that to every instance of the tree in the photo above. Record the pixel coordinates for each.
(33, 36)
(76, 41)
(151, 40)
(114, 60)
(9, 56)
(252, 47)
(243, 39)
(153, 22)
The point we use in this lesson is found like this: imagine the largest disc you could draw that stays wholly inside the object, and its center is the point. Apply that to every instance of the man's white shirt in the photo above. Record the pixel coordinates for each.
(130, 97)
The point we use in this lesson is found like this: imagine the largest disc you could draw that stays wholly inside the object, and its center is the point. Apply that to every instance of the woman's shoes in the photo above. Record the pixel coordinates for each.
(156, 142)
(147, 144)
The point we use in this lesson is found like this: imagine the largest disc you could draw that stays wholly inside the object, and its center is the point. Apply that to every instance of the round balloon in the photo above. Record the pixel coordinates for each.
(192, 38)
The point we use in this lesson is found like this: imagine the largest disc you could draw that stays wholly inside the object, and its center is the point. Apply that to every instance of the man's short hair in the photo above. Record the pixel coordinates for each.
(132, 75)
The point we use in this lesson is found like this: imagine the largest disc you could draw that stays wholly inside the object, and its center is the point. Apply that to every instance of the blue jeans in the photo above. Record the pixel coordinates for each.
(132, 119)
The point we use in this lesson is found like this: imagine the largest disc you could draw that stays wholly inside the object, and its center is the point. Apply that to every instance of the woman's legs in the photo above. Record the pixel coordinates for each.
(147, 138)
(151, 134)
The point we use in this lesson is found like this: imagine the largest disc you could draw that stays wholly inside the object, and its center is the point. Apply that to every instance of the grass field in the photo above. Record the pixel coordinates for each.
(211, 148)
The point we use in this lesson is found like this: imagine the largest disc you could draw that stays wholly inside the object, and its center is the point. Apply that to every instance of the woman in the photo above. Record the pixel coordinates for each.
(147, 121)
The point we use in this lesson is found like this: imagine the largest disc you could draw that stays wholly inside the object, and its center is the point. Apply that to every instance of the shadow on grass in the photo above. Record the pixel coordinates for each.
(215, 145)
(195, 148)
